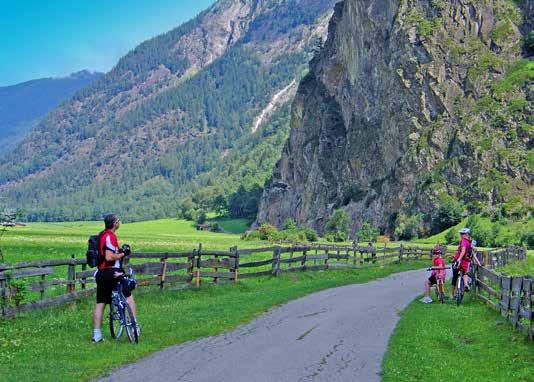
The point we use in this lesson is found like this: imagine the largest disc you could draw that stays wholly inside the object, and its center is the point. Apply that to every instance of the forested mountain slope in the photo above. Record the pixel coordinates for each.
(412, 107)
(172, 109)
(23, 105)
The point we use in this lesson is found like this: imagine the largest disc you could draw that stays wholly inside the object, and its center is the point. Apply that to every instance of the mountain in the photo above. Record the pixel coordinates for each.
(174, 109)
(24, 105)
(410, 108)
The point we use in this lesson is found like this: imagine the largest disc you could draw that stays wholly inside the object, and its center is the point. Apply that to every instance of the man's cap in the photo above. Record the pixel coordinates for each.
(465, 230)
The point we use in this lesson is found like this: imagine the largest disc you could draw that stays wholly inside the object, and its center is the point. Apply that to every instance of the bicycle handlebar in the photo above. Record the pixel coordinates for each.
(437, 269)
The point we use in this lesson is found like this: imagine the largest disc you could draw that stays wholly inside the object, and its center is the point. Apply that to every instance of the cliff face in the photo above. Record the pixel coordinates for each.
(409, 102)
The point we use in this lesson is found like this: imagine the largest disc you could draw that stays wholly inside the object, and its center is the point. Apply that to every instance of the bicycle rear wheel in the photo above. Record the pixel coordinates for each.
(115, 322)
(131, 324)
(460, 289)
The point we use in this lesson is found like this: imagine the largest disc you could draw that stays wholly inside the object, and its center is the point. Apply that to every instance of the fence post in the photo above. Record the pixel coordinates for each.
(373, 253)
(163, 261)
(276, 261)
(71, 276)
(505, 294)
(401, 251)
(304, 257)
(83, 280)
(3, 294)
(515, 303)
(235, 260)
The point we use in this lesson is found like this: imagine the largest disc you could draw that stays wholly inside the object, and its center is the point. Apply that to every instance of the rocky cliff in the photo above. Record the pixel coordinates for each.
(410, 103)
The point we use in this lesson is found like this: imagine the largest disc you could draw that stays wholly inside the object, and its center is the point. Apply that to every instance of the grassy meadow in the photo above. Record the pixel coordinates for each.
(38, 241)
(448, 343)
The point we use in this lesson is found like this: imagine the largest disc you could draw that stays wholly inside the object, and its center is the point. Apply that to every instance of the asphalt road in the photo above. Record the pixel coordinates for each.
(338, 334)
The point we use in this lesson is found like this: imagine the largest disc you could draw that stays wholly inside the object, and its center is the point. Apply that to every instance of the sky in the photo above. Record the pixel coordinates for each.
(50, 38)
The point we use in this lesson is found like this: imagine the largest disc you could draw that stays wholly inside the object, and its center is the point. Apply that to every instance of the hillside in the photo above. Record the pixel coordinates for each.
(172, 109)
(412, 109)
(24, 105)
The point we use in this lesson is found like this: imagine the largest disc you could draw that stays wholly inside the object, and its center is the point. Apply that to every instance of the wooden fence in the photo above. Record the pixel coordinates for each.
(34, 285)
(509, 295)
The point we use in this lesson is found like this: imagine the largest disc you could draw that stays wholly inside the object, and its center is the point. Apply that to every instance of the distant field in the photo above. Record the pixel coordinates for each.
(60, 240)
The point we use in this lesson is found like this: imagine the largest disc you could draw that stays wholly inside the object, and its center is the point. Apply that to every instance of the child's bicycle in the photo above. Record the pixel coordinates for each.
(440, 285)
(120, 314)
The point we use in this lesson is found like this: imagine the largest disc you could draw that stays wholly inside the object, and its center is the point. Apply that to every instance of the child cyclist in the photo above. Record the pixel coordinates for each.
(438, 273)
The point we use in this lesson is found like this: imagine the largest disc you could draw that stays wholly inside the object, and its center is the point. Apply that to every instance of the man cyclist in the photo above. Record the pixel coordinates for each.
(109, 273)
(462, 258)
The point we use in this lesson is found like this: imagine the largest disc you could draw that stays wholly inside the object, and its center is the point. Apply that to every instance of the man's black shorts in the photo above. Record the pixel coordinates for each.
(105, 283)
(432, 280)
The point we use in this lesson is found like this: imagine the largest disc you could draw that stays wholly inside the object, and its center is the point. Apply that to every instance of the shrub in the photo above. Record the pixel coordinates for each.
(367, 233)
(338, 222)
(450, 236)
(409, 227)
(311, 235)
(449, 213)
(290, 224)
(383, 239)
(336, 236)
(481, 231)
(528, 240)
(201, 218)
(266, 230)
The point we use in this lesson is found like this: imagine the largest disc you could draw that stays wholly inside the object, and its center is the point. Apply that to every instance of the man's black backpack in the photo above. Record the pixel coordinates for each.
(94, 257)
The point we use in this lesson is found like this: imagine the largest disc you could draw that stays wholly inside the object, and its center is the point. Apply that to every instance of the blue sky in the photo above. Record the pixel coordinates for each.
(43, 38)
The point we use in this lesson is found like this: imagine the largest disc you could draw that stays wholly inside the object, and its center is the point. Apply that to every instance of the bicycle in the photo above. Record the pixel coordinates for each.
(440, 285)
(460, 287)
(120, 314)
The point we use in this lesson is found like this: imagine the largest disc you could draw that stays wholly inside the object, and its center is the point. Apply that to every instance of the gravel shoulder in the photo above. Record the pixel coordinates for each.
(339, 334)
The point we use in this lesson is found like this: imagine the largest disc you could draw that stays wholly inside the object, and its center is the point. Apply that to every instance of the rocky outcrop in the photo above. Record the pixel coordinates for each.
(402, 109)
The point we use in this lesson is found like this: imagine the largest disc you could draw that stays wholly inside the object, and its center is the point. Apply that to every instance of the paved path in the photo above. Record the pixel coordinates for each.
(338, 334)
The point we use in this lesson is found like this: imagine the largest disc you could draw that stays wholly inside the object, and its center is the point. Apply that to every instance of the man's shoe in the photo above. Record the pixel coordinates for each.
(97, 340)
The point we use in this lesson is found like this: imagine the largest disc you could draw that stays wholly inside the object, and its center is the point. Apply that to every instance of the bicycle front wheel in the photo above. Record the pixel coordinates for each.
(115, 322)
(131, 324)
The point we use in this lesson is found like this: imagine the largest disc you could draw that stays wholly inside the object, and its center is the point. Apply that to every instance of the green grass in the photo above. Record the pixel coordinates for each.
(32, 342)
(60, 240)
(449, 343)
(237, 226)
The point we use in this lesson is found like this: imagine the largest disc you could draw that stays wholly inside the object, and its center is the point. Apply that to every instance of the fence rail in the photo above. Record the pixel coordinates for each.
(509, 295)
(24, 286)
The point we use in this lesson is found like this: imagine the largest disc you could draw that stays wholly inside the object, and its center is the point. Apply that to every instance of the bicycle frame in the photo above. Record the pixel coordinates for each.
(120, 311)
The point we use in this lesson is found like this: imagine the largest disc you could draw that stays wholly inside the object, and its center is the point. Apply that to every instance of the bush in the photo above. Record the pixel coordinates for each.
(367, 233)
(450, 236)
(338, 222)
(266, 230)
(528, 240)
(290, 224)
(202, 217)
(311, 235)
(336, 237)
(449, 214)
(481, 231)
(409, 227)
